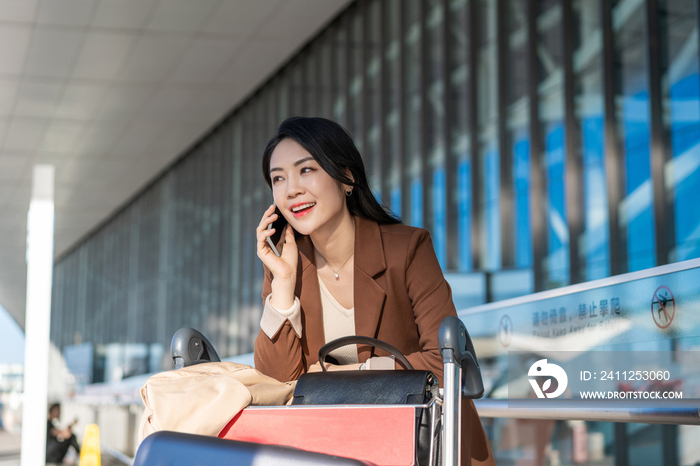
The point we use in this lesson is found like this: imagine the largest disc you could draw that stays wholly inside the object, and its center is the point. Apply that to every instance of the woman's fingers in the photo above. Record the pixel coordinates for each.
(262, 232)
(268, 217)
(265, 233)
(263, 247)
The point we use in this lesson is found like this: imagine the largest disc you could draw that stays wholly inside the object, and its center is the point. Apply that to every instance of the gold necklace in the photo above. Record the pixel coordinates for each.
(336, 272)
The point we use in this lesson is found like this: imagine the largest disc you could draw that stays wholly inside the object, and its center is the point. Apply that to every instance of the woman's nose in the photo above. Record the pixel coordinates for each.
(294, 188)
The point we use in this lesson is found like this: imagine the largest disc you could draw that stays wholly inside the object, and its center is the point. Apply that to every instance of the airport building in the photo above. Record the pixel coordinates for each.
(543, 143)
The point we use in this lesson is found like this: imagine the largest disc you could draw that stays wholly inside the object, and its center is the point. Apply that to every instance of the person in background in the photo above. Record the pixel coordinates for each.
(59, 440)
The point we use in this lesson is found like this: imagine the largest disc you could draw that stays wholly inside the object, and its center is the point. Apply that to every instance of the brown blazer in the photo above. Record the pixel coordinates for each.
(400, 297)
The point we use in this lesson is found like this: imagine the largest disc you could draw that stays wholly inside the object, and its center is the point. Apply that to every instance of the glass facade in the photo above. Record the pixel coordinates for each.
(542, 142)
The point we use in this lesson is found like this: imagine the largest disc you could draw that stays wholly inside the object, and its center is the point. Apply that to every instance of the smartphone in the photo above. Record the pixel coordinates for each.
(278, 225)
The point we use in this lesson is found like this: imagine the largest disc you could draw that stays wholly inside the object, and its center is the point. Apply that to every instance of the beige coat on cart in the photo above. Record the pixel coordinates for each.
(202, 399)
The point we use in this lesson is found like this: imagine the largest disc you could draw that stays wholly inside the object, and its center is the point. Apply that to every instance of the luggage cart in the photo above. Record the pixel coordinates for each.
(329, 434)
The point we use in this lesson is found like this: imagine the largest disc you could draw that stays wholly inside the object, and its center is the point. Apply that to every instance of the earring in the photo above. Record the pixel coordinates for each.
(348, 192)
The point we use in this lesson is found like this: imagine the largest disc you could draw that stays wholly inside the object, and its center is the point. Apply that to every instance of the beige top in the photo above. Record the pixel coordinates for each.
(337, 322)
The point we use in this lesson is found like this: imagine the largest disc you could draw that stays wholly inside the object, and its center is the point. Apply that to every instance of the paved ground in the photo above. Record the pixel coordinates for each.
(10, 448)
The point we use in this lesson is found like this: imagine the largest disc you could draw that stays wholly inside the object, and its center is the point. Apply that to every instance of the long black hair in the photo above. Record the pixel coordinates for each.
(334, 150)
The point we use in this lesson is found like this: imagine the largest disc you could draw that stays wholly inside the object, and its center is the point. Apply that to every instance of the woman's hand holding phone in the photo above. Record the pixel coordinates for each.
(283, 267)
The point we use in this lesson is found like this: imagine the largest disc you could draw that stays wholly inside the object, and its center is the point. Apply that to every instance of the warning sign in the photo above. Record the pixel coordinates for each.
(663, 307)
(505, 330)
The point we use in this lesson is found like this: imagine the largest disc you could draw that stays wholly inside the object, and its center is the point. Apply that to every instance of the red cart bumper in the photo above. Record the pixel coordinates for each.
(383, 435)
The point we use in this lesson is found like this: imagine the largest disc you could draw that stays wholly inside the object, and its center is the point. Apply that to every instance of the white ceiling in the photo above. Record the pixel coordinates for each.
(111, 91)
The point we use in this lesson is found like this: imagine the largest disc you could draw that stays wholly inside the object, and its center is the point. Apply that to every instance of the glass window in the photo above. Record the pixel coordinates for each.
(434, 128)
(681, 103)
(283, 97)
(632, 108)
(460, 244)
(297, 88)
(518, 128)
(393, 116)
(326, 65)
(488, 149)
(356, 91)
(340, 72)
(412, 105)
(373, 87)
(311, 90)
(247, 235)
(237, 230)
(589, 114)
(550, 62)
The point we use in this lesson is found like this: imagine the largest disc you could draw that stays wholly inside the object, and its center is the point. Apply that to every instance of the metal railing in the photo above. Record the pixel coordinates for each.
(680, 412)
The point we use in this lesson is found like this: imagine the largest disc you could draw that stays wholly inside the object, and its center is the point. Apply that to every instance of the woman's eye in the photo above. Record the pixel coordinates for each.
(275, 179)
(307, 170)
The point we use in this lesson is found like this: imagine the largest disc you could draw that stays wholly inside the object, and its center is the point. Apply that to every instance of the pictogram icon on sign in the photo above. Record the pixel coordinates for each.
(505, 330)
(663, 307)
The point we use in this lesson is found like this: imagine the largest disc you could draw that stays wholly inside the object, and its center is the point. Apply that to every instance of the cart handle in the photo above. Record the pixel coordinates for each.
(189, 347)
(457, 348)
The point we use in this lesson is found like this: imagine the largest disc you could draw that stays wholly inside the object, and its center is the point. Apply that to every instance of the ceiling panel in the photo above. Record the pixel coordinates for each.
(103, 55)
(4, 123)
(6, 190)
(14, 166)
(52, 51)
(245, 70)
(125, 100)
(208, 105)
(177, 138)
(9, 231)
(81, 101)
(123, 14)
(38, 98)
(127, 183)
(73, 172)
(12, 58)
(78, 197)
(153, 164)
(14, 204)
(9, 87)
(61, 135)
(168, 102)
(241, 17)
(154, 56)
(18, 10)
(205, 59)
(66, 12)
(24, 134)
(105, 170)
(98, 138)
(293, 17)
(181, 15)
(138, 137)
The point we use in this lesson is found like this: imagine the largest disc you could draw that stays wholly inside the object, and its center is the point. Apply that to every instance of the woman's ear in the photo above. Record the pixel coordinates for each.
(348, 173)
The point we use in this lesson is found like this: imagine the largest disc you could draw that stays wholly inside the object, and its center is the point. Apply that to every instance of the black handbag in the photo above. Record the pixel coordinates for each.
(409, 387)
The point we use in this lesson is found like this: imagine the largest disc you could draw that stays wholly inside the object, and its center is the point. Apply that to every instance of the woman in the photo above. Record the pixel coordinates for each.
(350, 269)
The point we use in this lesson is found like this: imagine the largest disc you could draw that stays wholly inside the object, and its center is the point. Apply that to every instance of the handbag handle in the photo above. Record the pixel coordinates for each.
(354, 339)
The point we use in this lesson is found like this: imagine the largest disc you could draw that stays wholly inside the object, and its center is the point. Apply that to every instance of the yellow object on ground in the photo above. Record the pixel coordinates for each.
(90, 450)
